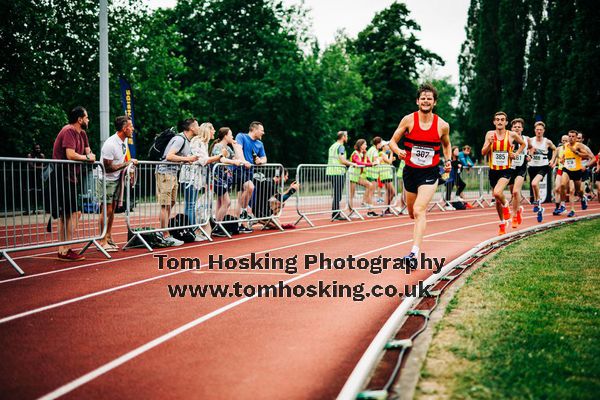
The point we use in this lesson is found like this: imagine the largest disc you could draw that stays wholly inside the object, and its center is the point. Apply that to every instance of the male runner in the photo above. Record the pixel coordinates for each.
(424, 134)
(560, 150)
(498, 143)
(519, 171)
(539, 165)
(573, 170)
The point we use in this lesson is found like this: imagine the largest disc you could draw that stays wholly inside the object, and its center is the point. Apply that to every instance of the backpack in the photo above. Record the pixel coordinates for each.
(185, 234)
(157, 150)
(459, 205)
(154, 239)
(232, 227)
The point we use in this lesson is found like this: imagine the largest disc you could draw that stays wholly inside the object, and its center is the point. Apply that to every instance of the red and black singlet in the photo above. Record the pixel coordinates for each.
(423, 146)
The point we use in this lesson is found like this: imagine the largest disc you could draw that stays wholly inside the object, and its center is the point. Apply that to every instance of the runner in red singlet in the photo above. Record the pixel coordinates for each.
(423, 134)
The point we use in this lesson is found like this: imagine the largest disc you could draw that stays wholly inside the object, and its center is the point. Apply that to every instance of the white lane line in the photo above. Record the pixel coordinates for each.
(82, 380)
(135, 283)
(175, 249)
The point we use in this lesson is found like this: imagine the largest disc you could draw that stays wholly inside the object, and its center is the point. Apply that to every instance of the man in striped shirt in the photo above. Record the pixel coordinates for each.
(498, 144)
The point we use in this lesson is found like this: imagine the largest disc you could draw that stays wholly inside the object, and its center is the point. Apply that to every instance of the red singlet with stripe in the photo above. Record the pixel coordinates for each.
(499, 156)
(423, 146)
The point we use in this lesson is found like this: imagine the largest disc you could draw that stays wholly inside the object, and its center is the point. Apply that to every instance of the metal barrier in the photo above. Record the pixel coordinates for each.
(323, 190)
(364, 181)
(158, 192)
(34, 191)
(245, 196)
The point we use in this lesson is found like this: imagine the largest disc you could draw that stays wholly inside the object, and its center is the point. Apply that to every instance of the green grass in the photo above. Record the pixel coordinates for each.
(526, 325)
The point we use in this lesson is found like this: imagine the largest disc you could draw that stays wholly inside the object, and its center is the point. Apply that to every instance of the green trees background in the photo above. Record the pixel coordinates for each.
(536, 59)
(225, 61)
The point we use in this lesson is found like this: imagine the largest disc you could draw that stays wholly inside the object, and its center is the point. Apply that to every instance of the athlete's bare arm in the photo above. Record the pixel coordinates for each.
(584, 152)
(552, 147)
(403, 127)
(489, 140)
(444, 130)
(519, 139)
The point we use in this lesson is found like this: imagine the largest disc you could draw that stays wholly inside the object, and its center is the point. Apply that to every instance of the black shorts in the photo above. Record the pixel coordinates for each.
(415, 177)
(241, 175)
(543, 171)
(574, 175)
(386, 180)
(519, 171)
(497, 174)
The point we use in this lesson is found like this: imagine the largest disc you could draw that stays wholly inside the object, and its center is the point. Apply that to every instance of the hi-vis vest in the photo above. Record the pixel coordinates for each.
(499, 158)
(334, 165)
(372, 154)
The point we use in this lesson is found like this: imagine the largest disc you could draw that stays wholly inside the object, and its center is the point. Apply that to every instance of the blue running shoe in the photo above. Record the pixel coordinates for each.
(536, 207)
(540, 214)
(584, 202)
(410, 261)
(571, 214)
(559, 210)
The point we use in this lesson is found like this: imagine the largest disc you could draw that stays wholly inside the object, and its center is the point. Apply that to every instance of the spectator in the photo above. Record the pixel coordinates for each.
(269, 200)
(70, 144)
(114, 157)
(465, 161)
(178, 150)
(193, 176)
(223, 177)
(336, 172)
(253, 151)
(453, 177)
(358, 174)
(34, 179)
(386, 174)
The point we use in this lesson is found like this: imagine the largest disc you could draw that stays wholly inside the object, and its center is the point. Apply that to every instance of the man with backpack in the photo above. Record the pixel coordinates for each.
(177, 150)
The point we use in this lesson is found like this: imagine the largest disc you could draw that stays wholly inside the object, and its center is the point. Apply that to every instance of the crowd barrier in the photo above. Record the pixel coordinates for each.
(34, 190)
(165, 197)
(47, 203)
(364, 182)
(323, 190)
(246, 196)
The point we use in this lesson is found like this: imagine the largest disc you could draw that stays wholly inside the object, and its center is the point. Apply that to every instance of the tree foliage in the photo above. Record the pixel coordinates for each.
(225, 61)
(533, 59)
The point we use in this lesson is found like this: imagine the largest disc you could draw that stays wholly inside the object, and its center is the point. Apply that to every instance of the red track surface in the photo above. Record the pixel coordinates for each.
(109, 329)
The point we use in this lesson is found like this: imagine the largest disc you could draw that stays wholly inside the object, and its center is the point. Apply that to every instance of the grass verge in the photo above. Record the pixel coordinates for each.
(525, 326)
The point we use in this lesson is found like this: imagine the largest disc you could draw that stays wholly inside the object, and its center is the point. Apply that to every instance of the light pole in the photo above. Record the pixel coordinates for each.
(104, 103)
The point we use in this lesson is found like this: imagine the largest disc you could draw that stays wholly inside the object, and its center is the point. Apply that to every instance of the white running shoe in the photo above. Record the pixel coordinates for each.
(171, 241)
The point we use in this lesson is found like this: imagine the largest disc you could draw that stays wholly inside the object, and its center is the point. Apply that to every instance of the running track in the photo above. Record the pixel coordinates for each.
(109, 329)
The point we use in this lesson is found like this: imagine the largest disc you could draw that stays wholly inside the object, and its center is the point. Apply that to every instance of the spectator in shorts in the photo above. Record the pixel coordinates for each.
(178, 150)
(223, 148)
(386, 174)
(114, 158)
(269, 200)
(70, 144)
(253, 151)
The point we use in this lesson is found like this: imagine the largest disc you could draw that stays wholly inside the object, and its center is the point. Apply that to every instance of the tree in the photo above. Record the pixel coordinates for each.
(389, 57)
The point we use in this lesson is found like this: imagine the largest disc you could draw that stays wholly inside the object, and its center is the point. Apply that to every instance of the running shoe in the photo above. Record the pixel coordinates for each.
(559, 210)
(506, 214)
(171, 241)
(520, 215)
(536, 207)
(410, 260)
(571, 214)
(372, 214)
(502, 228)
(540, 214)
(218, 233)
(515, 222)
(244, 215)
(584, 201)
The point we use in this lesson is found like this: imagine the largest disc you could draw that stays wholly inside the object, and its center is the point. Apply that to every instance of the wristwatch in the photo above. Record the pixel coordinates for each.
(87, 156)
